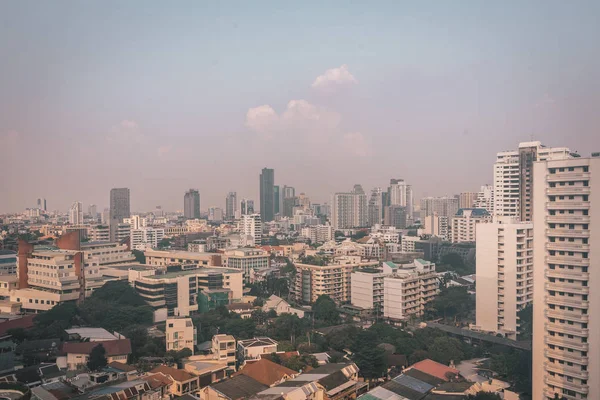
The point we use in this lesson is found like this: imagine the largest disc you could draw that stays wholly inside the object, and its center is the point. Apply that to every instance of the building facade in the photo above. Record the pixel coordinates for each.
(245, 260)
(231, 205)
(180, 333)
(251, 225)
(76, 213)
(267, 194)
(442, 206)
(375, 207)
(566, 308)
(120, 208)
(349, 210)
(467, 199)
(436, 225)
(146, 238)
(400, 194)
(464, 223)
(191, 204)
(485, 198)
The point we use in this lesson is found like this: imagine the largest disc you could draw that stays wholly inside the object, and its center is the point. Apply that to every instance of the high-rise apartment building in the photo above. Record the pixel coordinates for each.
(400, 194)
(504, 274)
(251, 225)
(231, 205)
(146, 238)
(375, 207)
(93, 211)
(485, 198)
(267, 194)
(349, 210)
(441, 206)
(215, 214)
(467, 199)
(247, 207)
(464, 224)
(395, 216)
(191, 204)
(76, 213)
(513, 177)
(120, 208)
(566, 307)
(436, 225)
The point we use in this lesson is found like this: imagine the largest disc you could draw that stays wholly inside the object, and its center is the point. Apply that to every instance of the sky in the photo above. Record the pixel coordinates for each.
(162, 96)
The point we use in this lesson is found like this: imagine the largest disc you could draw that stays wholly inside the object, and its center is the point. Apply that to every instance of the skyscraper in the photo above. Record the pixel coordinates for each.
(485, 198)
(119, 209)
(267, 181)
(441, 206)
(513, 177)
(93, 211)
(191, 204)
(277, 200)
(400, 194)
(467, 199)
(76, 213)
(230, 205)
(375, 210)
(349, 210)
(566, 279)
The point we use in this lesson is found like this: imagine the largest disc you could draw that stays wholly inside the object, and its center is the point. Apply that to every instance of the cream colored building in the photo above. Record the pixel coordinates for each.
(246, 259)
(224, 349)
(167, 257)
(566, 308)
(409, 289)
(437, 225)
(180, 334)
(504, 274)
(464, 223)
(407, 243)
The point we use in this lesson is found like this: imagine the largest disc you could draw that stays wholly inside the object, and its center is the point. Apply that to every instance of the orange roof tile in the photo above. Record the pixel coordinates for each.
(435, 369)
(177, 374)
(266, 372)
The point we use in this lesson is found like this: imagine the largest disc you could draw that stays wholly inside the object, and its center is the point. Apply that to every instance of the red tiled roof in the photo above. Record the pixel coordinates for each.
(157, 380)
(122, 367)
(266, 371)
(436, 369)
(284, 355)
(25, 322)
(177, 374)
(113, 347)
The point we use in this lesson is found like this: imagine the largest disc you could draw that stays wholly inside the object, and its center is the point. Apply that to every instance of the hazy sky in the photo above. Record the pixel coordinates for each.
(163, 96)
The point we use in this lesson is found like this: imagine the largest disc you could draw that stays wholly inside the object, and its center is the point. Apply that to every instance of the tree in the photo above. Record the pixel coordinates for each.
(525, 316)
(97, 359)
(371, 362)
(453, 302)
(446, 349)
(418, 355)
(259, 316)
(325, 310)
(455, 262)
(18, 335)
(300, 363)
(139, 256)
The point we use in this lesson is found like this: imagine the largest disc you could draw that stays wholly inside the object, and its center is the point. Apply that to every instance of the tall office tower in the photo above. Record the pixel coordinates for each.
(251, 225)
(485, 198)
(467, 199)
(39, 203)
(76, 213)
(566, 309)
(441, 206)
(395, 216)
(230, 205)
(504, 274)
(277, 200)
(267, 181)
(288, 192)
(288, 201)
(119, 209)
(349, 210)
(375, 207)
(249, 206)
(400, 194)
(93, 211)
(158, 211)
(45, 208)
(191, 204)
(513, 177)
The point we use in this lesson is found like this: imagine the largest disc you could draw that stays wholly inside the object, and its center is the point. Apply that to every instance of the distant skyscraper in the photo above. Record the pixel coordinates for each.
(277, 200)
(215, 214)
(401, 194)
(191, 204)
(288, 192)
(230, 205)
(93, 211)
(159, 212)
(375, 210)
(485, 198)
(76, 213)
(119, 208)
(441, 206)
(267, 181)
(349, 210)
(395, 216)
(467, 199)
(39, 203)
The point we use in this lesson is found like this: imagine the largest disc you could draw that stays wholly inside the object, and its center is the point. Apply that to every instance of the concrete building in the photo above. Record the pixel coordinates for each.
(467, 199)
(400, 194)
(349, 210)
(231, 205)
(93, 211)
(8, 262)
(513, 177)
(180, 333)
(436, 225)
(146, 238)
(504, 274)
(247, 207)
(277, 200)
(121, 231)
(566, 308)
(267, 195)
(224, 349)
(442, 206)
(119, 209)
(163, 258)
(136, 222)
(215, 214)
(318, 233)
(253, 349)
(251, 225)
(485, 198)
(375, 207)
(76, 213)
(99, 233)
(191, 204)
(396, 216)
(407, 244)
(366, 288)
(464, 223)
(409, 289)
(246, 259)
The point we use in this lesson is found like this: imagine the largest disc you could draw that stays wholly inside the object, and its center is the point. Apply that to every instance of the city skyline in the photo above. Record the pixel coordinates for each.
(460, 79)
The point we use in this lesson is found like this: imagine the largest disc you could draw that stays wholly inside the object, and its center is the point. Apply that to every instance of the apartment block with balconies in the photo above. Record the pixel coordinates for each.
(566, 343)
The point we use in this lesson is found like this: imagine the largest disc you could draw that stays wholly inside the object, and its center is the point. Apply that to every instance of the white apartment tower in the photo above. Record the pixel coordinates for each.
(401, 194)
(566, 310)
(513, 177)
(349, 210)
(442, 206)
(251, 225)
(504, 274)
(485, 198)
(464, 223)
(76, 213)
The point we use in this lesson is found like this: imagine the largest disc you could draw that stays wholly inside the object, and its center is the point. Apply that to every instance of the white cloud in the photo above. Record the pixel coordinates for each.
(355, 144)
(333, 78)
(126, 131)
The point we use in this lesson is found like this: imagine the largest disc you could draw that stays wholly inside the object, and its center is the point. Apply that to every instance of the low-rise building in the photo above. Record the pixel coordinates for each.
(464, 224)
(318, 233)
(253, 349)
(280, 306)
(183, 381)
(180, 333)
(408, 243)
(8, 262)
(146, 238)
(75, 355)
(167, 257)
(224, 349)
(246, 259)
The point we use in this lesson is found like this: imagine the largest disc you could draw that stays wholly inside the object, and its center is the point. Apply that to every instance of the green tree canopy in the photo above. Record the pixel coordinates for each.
(446, 349)
(325, 310)
(97, 359)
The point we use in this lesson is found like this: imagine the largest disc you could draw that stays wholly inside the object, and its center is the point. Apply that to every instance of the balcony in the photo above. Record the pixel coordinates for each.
(566, 342)
(565, 314)
(563, 383)
(566, 356)
(567, 301)
(566, 273)
(563, 232)
(567, 190)
(568, 176)
(568, 219)
(567, 246)
(567, 287)
(567, 329)
(568, 205)
(574, 370)
(568, 260)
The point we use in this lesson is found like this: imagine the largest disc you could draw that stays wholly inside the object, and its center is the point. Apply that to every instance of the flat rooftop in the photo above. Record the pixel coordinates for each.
(127, 267)
(178, 254)
(198, 271)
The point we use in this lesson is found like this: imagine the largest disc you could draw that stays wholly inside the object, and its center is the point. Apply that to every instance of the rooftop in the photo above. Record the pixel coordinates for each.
(239, 386)
(197, 271)
(176, 374)
(94, 334)
(267, 372)
(435, 369)
(112, 347)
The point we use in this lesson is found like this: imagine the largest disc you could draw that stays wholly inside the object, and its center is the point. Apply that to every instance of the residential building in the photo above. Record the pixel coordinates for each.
(121, 230)
(464, 223)
(191, 204)
(89, 335)
(409, 289)
(99, 233)
(408, 244)
(181, 292)
(215, 214)
(318, 233)
(136, 222)
(280, 306)
(513, 177)
(366, 288)
(349, 210)
(75, 355)
(375, 207)
(267, 195)
(566, 308)
(239, 387)
(485, 198)
(224, 349)
(467, 199)
(400, 194)
(267, 372)
(76, 213)
(436, 225)
(180, 333)
(441, 206)
(245, 260)
(396, 216)
(231, 205)
(183, 382)
(163, 258)
(93, 211)
(8, 262)
(119, 209)
(146, 238)
(253, 349)
(504, 274)
(251, 225)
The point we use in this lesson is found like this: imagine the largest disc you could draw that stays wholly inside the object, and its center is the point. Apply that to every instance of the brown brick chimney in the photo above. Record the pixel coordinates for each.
(23, 253)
